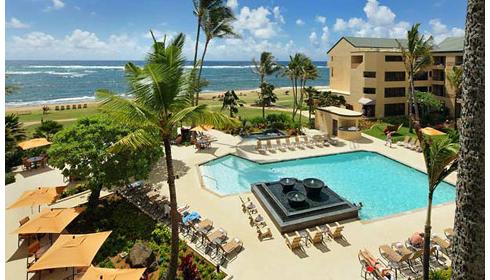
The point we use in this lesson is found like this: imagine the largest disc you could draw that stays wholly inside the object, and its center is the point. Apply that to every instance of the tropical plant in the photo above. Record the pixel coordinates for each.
(308, 72)
(266, 66)
(82, 151)
(13, 131)
(159, 106)
(266, 96)
(455, 79)
(47, 129)
(293, 72)
(189, 268)
(468, 242)
(440, 158)
(231, 101)
(216, 22)
(416, 57)
(427, 103)
(327, 98)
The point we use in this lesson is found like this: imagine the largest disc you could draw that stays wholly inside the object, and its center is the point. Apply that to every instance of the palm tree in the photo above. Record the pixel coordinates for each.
(267, 96)
(263, 68)
(293, 72)
(440, 160)
(13, 131)
(231, 101)
(455, 79)
(308, 72)
(201, 7)
(216, 23)
(159, 106)
(416, 57)
(468, 242)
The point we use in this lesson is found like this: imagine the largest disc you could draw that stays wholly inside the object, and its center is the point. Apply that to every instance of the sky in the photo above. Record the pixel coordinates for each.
(119, 29)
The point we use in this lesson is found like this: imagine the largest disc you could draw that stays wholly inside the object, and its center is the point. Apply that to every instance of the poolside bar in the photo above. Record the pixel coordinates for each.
(340, 122)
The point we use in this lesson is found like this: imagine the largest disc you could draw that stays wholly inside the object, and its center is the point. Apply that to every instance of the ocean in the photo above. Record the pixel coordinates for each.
(48, 82)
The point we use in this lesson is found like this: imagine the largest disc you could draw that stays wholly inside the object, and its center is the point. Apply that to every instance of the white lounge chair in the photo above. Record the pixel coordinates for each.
(290, 145)
(259, 147)
(298, 142)
(308, 143)
(269, 146)
(280, 146)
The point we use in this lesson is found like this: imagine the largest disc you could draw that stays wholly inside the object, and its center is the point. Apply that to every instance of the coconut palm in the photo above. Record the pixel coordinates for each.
(455, 79)
(216, 23)
(159, 106)
(308, 72)
(266, 66)
(267, 96)
(231, 101)
(468, 242)
(416, 57)
(293, 72)
(13, 131)
(440, 160)
(201, 7)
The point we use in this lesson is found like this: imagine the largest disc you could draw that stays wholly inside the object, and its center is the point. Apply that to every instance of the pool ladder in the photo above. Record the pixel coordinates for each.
(216, 181)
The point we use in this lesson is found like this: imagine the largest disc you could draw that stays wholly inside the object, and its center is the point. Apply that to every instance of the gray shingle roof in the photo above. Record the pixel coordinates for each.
(450, 44)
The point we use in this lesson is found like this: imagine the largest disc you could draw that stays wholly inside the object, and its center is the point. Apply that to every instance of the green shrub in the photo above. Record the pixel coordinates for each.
(107, 263)
(258, 122)
(9, 178)
(161, 234)
(397, 120)
(74, 190)
(442, 274)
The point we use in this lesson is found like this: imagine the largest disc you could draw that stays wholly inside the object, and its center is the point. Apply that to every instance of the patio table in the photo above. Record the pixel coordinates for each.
(35, 160)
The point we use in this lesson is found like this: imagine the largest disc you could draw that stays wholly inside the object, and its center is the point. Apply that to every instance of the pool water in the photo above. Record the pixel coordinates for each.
(384, 186)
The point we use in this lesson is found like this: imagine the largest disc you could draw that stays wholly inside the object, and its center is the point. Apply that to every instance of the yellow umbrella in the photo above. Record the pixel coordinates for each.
(34, 143)
(41, 195)
(93, 273)
(50, 221)
(202, 128)
(71, 250)
(431, 131)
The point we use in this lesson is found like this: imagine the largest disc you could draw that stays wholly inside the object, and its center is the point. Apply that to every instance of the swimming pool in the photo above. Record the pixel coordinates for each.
(384, 186)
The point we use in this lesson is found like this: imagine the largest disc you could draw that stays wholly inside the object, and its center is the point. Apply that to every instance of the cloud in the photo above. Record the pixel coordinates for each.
(233, 4)
(300, 22)
(277, 14)
(321, 19)
(56, 5)
(378, 15)
(35, 40)
(258, 22)
(80, 39)
(340, 25)
(314, 39)
(16, 23)
(325, 34)
(440, 31)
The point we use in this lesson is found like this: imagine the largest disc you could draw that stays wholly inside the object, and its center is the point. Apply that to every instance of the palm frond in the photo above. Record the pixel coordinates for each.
(136, 140)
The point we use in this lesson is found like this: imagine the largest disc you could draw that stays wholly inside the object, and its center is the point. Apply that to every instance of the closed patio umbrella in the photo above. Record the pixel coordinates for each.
(202, 128)
(41, 195)
(50, 221)
(112, 273)
(71, 250)
(34, 143)
(431, 131)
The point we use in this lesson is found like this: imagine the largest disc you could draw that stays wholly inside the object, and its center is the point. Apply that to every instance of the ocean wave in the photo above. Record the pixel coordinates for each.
(77, 67)
(221, 66)
(63, 74)
(52, 101)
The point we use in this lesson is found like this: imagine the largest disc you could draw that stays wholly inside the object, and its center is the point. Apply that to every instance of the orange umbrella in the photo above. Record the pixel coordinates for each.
(34, 143)
(71, 250)
(41, 195)
(50, 221)
(112, 273)
(431, 131)
(202, 128)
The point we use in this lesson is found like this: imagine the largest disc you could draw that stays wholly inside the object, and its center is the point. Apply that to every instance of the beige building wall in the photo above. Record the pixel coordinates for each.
(347, 76)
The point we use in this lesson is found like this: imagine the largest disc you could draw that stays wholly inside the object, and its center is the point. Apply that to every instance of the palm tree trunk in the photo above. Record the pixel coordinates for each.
(93, 199)
(174, 218)
(410, 103)
(427, 230)
(262, 95)
(198, 33)
(468, 242)
(200, 68)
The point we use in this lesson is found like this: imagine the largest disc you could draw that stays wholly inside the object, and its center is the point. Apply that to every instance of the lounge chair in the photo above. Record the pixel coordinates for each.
(298, 142)
(372, 265)
(62, 107)
(280, 146)
(415, 145)
(293, 240)
(448, 232)
(257, 220)
(444, 245)
(79, 106)
(230, 247)
(335, 233)
(74, 106)
(317, 140)
(315, 235)
(244, 205)
(57, 108)
(259, 147)
(264, 233)
(404, 142)
(331, 140)
(270, 148)
(290, 145)
(308, 143)
(204, 226)
(84, 105)
(411, 143)
(394, 259)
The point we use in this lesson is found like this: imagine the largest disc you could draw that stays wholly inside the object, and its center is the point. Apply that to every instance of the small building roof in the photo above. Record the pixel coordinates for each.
(340, 111)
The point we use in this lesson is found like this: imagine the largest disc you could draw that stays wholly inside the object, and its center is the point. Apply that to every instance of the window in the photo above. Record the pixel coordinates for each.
(459, 60)
(395, 92)
(331, 59)
(421, 76)
(369, 74)
(438, 75)
(331, 72)
(348, 106)
(356, 59)
(423, 89)
(394, 76)
(369, 90)
(392, 58)
(395, 109)
(439, 60)
(438, 90)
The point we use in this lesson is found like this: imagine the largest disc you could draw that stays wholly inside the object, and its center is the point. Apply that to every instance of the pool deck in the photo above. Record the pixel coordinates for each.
(269, 259)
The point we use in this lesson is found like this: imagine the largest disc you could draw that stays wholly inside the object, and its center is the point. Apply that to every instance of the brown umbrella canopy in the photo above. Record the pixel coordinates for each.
(112, 273)
(41, 195)
(50, 221)
(71, 250)
(34, 143)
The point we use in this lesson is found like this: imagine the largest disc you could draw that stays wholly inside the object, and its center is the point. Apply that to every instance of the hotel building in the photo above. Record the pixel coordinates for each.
(370, 74)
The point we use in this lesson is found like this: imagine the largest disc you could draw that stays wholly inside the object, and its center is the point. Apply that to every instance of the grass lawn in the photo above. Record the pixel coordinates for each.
(36, 115)
(377, 131)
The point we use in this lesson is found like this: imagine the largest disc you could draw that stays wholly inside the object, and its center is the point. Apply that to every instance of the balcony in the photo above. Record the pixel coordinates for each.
(355, 61)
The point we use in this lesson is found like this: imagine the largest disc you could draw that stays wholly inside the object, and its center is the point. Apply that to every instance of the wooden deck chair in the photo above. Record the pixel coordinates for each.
(74, 106)
(315, 235)
(79, 106)
(84, 106)
(57, 108)
(229, 248)
(263, 233)
(293, 240)
(335, 232)
(444, 245)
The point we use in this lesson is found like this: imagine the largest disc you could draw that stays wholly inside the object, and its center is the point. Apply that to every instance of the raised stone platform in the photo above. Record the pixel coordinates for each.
(326, 207)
